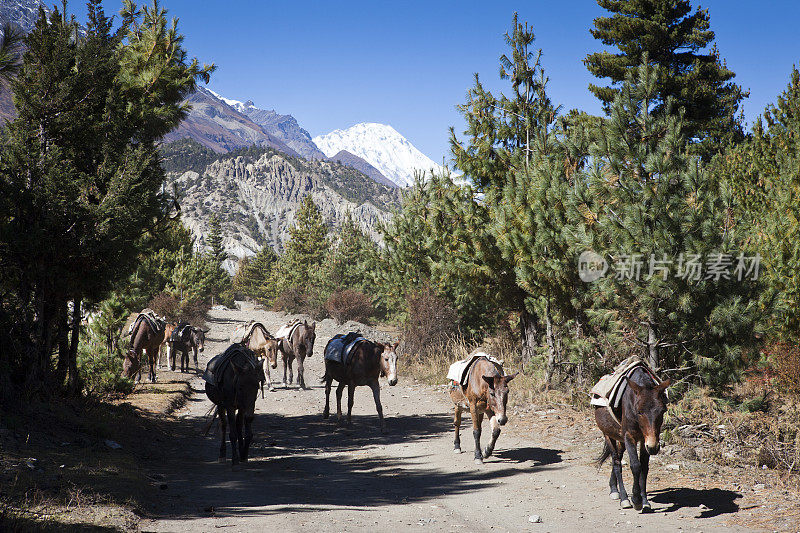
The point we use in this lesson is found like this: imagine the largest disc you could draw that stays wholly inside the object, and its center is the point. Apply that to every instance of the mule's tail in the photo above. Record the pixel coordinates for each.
(213, 412)
(605, 454)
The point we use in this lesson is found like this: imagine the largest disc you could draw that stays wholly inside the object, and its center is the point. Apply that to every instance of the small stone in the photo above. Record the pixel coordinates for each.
(535, 519)
(673, 467)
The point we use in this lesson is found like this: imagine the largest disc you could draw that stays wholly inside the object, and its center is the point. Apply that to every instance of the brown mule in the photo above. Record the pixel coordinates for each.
(368, 361)
(144, 338)
(635, 423)
(265, 346)
(297, 344)
(163, 350)
(486, 393)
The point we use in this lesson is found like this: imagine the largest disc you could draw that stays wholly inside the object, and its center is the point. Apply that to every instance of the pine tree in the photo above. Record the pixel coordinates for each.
(306, 249)
(654, 210)
(353, 261)
(79, 172)
(216, 250)
(676, 39)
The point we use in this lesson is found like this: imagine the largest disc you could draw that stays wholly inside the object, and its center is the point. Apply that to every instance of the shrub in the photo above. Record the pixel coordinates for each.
(431, 321)
(349, 304)
(165, 305)
(100, 371)
(292, 300)
(193, 312)
(784, 359)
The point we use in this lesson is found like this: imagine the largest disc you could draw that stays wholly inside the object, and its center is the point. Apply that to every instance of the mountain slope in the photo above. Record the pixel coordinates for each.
(346, 158)
(24, 13)
(256, 192)
(283, 127)
(381, 146)
(218, 126)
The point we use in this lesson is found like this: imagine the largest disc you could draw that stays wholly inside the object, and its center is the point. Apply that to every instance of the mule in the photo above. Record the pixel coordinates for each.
(234, 396)
(485, 394)
(368, 361)
(163, 350)
(183, 339)
(297, 344)
(636, 423)
(144, 338)
(265, 346)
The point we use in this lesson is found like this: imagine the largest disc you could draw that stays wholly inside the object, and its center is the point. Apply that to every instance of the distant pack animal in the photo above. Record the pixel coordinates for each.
(147, 334)
(485, 393)
(232, 382)
(634, 423)
(163, 350)
(185, 337)
(367, 362)
(265, 346)
(296, 341)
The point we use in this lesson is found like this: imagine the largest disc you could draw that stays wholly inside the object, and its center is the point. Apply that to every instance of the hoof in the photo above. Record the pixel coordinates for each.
(325, 416)
(614, 495)
(272, 389)
(456, 450)
(625, 504)
(487, 453)
(637, 505)
(479, 461)
(647, 508)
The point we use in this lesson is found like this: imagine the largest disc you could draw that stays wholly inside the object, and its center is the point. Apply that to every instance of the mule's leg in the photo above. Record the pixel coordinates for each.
(457, 424)
(376, 395)
(327, 412)
(234, 438)
(613, 490)
(636, 470)
(171, 356)
(248, 437)
(351, 392)
(151, 359)
(284, 357)
(495, 433)
(291, 374)
(644, 460)
(241, 438)
(196, 367)
(477, 420)
(618, 450)
(300, 381)
(222, 424)
(339, 390)
(185, 359)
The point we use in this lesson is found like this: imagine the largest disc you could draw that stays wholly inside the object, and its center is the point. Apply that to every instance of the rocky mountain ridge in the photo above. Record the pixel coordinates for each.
(256, 192)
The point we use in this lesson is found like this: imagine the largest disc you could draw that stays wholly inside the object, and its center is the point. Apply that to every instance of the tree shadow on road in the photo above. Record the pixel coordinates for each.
(539, 456)
(304, 463)
(717, 501)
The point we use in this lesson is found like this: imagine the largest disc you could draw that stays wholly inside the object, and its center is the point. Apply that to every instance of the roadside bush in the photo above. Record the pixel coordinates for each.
(349, 304)
(165, 305)
(292, 300)
(431, 322)
(193, 312)
(784, 360)
(100, 371)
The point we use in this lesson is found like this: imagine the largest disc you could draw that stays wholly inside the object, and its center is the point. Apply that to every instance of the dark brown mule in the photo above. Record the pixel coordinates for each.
(636, 423)
(235, 401)
(144, 338)
(368, 361)
(298, 344)
(486, 393)
(185, 338)
(265, 346)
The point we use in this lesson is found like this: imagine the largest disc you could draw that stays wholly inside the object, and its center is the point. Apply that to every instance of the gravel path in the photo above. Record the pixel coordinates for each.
(309, 474)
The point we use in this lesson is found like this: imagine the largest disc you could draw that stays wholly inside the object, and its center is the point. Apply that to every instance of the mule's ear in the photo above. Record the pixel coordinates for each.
(634, 386)
(489, 380)
(395, 345)
(512, 376)
(663, 385)
(379, 348)
(314, 326)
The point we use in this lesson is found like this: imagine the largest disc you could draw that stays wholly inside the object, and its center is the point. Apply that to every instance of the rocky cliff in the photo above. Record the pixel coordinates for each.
(255, 193)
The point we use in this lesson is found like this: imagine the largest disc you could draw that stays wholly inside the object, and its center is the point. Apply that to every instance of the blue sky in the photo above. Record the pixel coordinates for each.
(407, 64)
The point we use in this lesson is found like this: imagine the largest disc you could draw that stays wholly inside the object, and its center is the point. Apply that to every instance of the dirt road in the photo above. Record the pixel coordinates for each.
(309, 474)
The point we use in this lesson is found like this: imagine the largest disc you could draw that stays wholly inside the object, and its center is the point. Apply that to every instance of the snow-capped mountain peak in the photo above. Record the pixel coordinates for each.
(382, 147)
